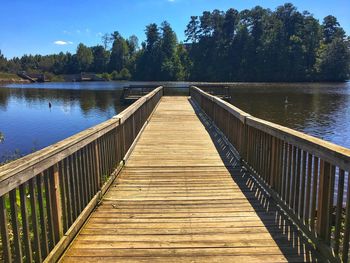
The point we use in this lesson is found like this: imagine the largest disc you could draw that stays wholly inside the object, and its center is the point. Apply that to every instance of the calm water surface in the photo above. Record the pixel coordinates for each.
(321, 110)
(29, 124)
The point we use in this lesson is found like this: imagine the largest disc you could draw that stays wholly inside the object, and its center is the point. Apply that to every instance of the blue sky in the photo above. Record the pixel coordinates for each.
(51, 26)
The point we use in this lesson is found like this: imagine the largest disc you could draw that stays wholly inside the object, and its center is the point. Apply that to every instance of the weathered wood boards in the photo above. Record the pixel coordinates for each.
(175, 201)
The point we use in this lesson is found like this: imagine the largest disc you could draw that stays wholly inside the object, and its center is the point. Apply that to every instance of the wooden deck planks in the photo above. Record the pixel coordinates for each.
(175, 201)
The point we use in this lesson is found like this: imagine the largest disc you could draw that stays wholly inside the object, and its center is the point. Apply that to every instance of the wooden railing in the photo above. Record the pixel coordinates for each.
(306, 176)
(45, 197)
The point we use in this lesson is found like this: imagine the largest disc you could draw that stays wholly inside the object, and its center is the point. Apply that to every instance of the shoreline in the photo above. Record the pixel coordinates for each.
(189, 83)
(14, 81)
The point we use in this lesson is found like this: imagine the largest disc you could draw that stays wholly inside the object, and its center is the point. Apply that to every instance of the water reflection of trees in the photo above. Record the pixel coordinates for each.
(4, 97)
(88, 100)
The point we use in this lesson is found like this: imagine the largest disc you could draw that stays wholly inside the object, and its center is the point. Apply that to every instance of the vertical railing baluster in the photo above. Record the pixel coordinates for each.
(87, 164)
(72, 188)
(56, 203)
(44, 235)
(84, 178)
(15, 227)
(293, 177)
(25, 224)
(35, 223)
(289, 173)
(63, 199)
(339, 211)
(308, 189)
(273, 164)
(285, 171)
(102, 158)
(51, 234)
(302, 186)
(97, 160)
(93, 168)
(77, 182)
(330, 204)
(6, 245)
(323, 197)
(345, 254)
(314, 192)
(297, 182)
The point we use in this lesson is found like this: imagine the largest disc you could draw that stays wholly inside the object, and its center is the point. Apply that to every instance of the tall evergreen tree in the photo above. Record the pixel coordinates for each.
(119, 53)
(84, 57)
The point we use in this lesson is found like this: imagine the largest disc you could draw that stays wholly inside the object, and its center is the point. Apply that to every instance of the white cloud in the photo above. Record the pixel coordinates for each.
(62, 42)
(171, 1)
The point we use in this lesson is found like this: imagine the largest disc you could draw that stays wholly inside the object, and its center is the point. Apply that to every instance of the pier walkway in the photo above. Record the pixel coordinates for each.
(178, 179)
(179, 199)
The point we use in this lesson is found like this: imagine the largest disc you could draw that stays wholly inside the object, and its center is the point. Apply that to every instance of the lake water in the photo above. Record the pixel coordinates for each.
(28, 124)
(321, 110)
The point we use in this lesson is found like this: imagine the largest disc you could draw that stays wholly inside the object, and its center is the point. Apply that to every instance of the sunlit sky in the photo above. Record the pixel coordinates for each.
(51, 26)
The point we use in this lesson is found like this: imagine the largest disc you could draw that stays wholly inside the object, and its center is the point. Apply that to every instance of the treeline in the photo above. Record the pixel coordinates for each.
(251, 45)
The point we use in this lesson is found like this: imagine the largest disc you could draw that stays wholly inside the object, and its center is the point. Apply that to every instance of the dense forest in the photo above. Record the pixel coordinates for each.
(251, 45)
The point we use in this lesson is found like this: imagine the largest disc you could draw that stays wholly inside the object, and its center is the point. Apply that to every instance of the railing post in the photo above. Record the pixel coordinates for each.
(117, 149)
(6, 247)
(273, 163)
(56, 203)
(133, 127)
(244, 140)
(323, 208)
(97, 156)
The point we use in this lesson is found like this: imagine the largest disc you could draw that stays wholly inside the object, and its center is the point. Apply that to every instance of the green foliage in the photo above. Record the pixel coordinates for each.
(251, 45)
(8, 76)
(261, 45)
(333, 60)
(84, 57)
(53, 77)
(105, 76)
(164, 53)
(124, 74)
(3, 62)
(100, 59)
(119, 53)
(115, 75)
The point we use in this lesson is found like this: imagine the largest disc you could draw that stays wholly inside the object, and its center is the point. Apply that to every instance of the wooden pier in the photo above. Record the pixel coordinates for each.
(179, 179)
(131, 94)
(176, 201)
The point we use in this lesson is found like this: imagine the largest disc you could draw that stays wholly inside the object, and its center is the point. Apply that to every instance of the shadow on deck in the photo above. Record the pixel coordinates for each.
(292, 243)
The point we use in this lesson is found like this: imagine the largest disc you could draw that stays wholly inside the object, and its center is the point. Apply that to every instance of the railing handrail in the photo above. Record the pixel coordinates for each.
(21, 170)
(228, 106)
(305, 175)
(125, 114)
(328, 151)
(333, 153)
(46, 197)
